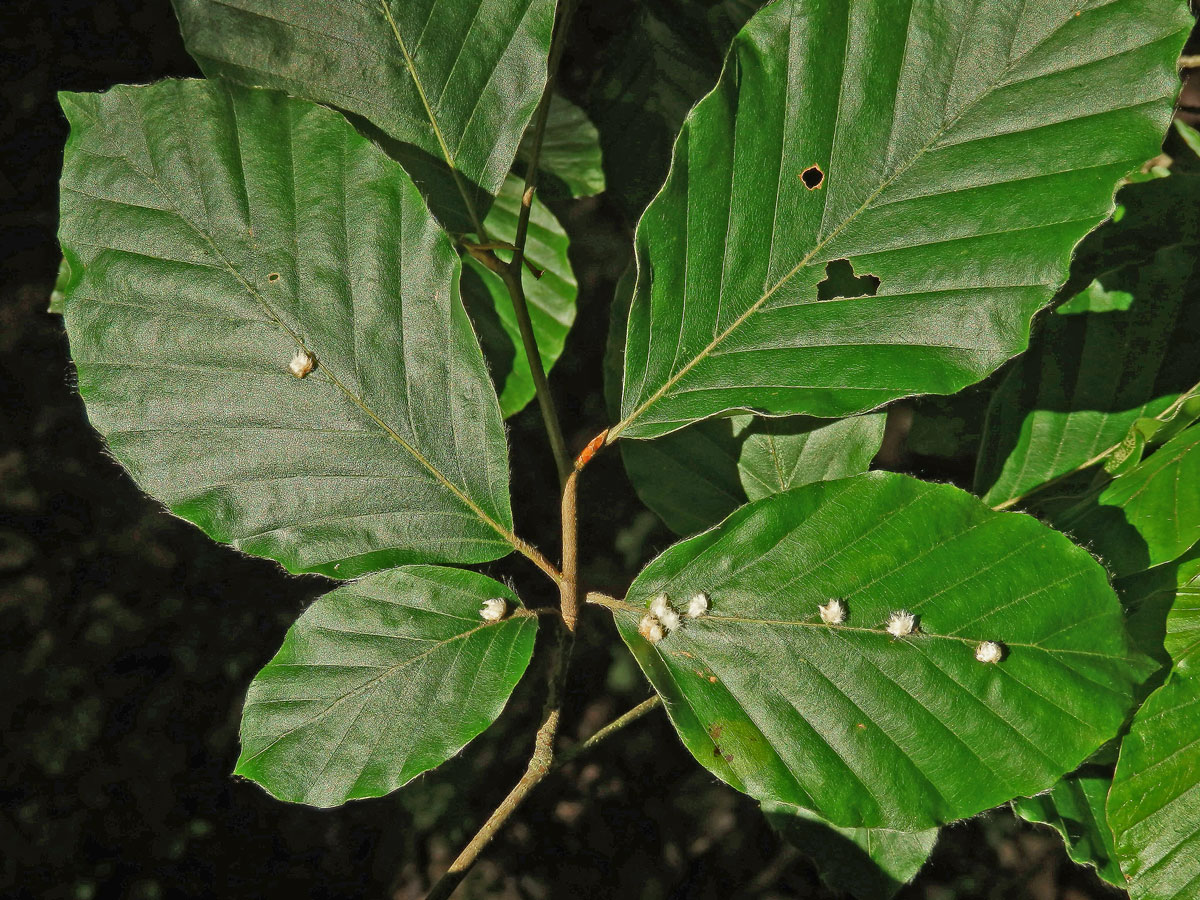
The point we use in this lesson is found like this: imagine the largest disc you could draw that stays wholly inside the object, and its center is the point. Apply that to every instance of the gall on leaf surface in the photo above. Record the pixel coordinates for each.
(381, 680)
(869, 730)
(220, 230)
(967, 148)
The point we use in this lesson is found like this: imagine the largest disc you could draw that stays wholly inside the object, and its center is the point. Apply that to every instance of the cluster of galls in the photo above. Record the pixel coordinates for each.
(663, 618)
(902, 623)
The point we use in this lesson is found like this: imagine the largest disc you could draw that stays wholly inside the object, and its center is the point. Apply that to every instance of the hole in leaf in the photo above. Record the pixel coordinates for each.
(812, 177)
(840, 281)
(274, 276)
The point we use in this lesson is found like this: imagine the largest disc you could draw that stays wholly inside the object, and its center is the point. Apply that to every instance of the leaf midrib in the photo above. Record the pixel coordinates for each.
(387, 672)
(616, 430)
(409, 64)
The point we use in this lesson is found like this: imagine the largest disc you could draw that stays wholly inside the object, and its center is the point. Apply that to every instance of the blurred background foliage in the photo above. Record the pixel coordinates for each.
(127, 639)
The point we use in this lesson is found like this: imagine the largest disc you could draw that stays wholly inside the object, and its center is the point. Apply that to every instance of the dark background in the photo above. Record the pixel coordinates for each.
(127, 639)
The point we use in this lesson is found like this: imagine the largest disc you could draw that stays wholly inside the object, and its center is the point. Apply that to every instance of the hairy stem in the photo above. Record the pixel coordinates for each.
(543, 745)
(513, 277)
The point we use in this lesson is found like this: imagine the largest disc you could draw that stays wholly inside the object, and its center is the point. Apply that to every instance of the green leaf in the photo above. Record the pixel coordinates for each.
(955, 167)
(457, 82)
(225, 230)
(697, 476)
(1150, 596)
(1147, 516)
(570, 160)
(862, 728)
(551, 298)
(381, 680)
(1190, 136)
(662, 57)
(866, 863)
(62, 285)
(1074, 808)
(1118, 353)
(1154, 804)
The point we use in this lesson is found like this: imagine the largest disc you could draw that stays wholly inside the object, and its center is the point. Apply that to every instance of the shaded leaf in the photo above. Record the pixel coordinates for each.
(1148, 516)
(966, 163)
(1154, 804)
(224, 233)
(1074, 808)
(551, 298)
(379, 681)
(570, 159)
(697, 476)
(866, 863)
(662, 58)
(1118, 353)
(860, 727)
(457, 82)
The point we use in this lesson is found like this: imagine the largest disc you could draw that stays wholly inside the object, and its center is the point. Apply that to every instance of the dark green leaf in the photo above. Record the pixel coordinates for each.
(860, 727)
(696, 477)
(1120, 351)
(1074, 807)
(1147, 516)
(663, 57)
(866, 863)
(381, 680)
(458, 82)
(958, 166)
(551, 298)
(570, 160)
(224, 230)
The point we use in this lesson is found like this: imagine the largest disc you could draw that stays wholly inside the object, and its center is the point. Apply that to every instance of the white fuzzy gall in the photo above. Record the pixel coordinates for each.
(901, 623)
(670, 620)
(697, 605)
(660, 605)
(650, 628)
(302, 363)
(833, 612)
(989, 652)
(494, 609)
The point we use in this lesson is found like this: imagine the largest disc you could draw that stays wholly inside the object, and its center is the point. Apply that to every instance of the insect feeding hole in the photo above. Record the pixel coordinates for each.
(812, 177)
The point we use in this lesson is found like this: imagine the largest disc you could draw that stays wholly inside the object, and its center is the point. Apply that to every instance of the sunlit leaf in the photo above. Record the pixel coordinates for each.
(864, 728)
(954, 169)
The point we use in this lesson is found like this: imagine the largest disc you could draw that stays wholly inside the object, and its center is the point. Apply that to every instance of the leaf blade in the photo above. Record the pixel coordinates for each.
(733, 342)
(919, 758)
(396, 64)
(361, 657)
(204, 276)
